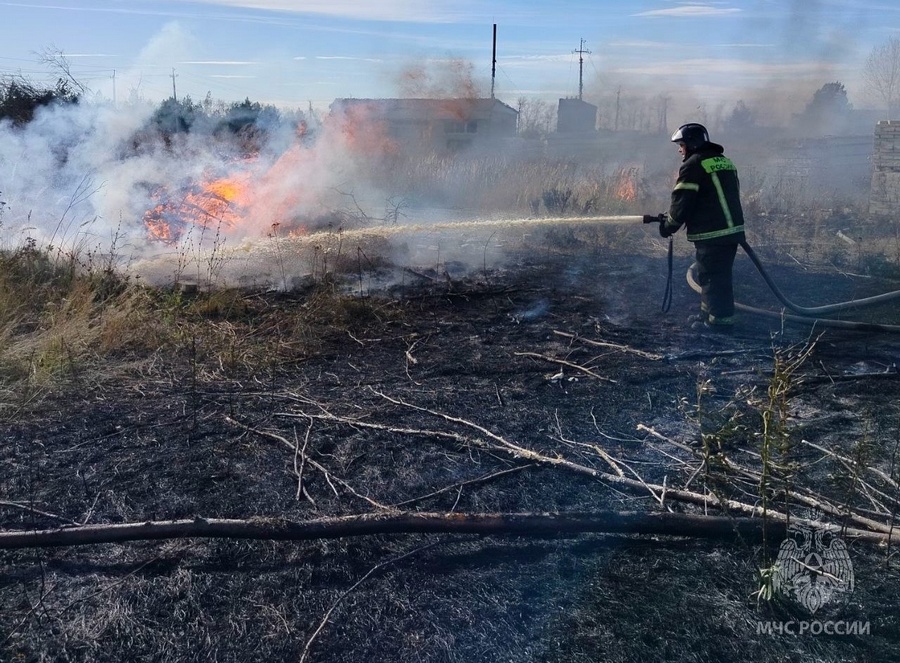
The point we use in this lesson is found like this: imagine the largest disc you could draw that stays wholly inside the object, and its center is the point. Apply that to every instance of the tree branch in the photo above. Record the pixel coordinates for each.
(498, 524)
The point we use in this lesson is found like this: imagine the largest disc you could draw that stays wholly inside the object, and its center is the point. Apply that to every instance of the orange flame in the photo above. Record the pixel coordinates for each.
(626, 184)
(217, 203)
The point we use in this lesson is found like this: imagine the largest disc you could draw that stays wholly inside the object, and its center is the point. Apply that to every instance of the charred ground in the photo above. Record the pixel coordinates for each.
(193, 431)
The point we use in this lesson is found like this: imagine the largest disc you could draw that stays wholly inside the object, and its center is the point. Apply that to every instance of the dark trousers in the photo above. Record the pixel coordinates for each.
(714, 267)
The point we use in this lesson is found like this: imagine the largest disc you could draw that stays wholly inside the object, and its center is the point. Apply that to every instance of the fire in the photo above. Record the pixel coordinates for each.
(217, 204)
(626, 184)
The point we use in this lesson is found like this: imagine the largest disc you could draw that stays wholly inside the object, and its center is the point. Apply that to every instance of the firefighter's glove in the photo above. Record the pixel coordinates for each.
(664, 230)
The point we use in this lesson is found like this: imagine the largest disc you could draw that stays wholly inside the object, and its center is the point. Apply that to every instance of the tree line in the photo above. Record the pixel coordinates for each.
(21, 100)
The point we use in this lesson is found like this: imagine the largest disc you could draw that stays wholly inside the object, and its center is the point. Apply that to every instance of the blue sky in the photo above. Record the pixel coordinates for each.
(294, 52)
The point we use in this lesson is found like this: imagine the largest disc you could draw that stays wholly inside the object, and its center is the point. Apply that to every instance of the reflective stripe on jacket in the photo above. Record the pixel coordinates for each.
(706, 197)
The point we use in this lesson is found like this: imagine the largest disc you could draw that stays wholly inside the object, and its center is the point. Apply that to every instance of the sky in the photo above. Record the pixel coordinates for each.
(301, 53)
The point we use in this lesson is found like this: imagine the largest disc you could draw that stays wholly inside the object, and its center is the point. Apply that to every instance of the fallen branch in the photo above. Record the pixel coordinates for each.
(334, 606)
(681, 495)
(563, 362)
(499, 524)
(706, 500)
(298, 468)
(802, 495)
(294, 447)
(614, 346)
(462, 484)
(847, 462)
(38, 512)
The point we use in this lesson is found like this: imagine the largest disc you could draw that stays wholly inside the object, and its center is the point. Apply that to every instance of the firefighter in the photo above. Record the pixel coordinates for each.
(706, 199)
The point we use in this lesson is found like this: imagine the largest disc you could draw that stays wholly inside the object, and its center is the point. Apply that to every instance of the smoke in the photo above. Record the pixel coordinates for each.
(84, 175)
(452, 78)
(93, 178)
(60, 176)
(102, 178)
(171, 45)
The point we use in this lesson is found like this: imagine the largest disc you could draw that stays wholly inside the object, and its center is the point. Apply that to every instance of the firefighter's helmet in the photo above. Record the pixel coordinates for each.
(693, 135)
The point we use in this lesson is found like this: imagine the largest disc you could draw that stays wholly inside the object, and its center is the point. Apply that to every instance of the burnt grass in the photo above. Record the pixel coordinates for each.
(158, 441)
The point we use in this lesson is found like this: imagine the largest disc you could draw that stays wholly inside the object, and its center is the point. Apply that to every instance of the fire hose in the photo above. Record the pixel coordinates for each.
(806, 314)
(803, 314)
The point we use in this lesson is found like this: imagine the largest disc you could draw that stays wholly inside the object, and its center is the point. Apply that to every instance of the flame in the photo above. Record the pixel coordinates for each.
(625, 186)
(217, 203)
(285, 196)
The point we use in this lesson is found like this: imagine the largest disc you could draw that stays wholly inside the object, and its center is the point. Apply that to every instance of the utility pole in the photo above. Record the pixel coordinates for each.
(114, 87)
(174, 95)
(581, 51)
(494, 62)
(664, 114)
(618, 94)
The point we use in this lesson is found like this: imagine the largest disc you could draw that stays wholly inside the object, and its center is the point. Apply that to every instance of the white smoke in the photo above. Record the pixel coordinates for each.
(84, 176)
(60, 174)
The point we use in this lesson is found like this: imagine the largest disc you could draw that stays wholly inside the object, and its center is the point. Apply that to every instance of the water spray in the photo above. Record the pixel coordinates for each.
(475, 224)
(249, 257)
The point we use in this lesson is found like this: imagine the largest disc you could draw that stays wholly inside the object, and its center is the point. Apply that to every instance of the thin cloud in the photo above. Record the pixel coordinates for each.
(282, 12)
(236, 63)
(638, 43)
(346, 57)
(646, 43)
(745, 68)
(531, 60)
(690, 11)
(407, 11)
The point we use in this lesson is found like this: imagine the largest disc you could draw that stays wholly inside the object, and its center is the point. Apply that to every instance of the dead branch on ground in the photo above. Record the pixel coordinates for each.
(706, 500)
(345, 594)
(802, 495)
(401, 522)
(486, 439)
(563, 362)
(613, 346)
(462, 484)
(295, 448)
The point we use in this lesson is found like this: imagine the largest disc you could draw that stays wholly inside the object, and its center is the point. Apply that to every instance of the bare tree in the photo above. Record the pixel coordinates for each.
(662, 115)
(882, 74)
(536, 117)
(56, 59)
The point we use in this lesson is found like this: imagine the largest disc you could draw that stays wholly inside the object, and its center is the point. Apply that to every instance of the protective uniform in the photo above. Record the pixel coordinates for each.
(706, 199)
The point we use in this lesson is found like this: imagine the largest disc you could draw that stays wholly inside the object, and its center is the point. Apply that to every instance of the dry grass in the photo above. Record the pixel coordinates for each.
(64, 324)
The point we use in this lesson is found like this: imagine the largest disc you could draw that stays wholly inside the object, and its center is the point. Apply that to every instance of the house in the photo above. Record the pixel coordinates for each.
(439, 124)
(575, 116)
